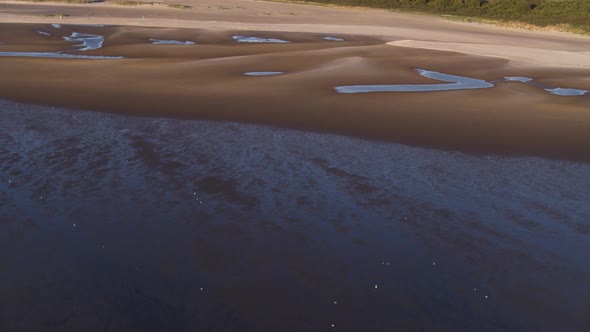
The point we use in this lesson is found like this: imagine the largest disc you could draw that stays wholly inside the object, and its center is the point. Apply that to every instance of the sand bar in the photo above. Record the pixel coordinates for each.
(206, 80)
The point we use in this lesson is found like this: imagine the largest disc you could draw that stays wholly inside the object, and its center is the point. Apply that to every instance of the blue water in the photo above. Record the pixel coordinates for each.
(59, 55)
(87, 42)
(567, 92)
(263, 73)
(521, 79)
(109, 222)
(171, 42)
(44, 33)
(250, 39)
(553, 91)
(329, 38)
(454, 83)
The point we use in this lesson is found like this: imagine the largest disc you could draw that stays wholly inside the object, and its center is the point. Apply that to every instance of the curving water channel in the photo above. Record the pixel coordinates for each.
(455, 83)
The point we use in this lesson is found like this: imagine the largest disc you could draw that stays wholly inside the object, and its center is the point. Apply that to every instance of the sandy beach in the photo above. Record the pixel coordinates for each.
(262, 166)
(206, 81)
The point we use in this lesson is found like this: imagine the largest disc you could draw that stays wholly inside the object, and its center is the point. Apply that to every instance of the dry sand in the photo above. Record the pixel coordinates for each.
(205, 81)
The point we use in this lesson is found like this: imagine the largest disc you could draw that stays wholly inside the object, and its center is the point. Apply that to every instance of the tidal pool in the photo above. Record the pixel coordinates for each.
(171, 42)
(332, 38)
(518, 79)
(59, 55)
(566, 92)
(455, 83)
(88, 41)
(41, 32)
(263, 73)
(248, 39)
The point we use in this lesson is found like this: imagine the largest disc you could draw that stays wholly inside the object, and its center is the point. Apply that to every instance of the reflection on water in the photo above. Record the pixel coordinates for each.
(263, 73)
(171, 42)
(567, 92)
(455, 83)
(41, 32)
(332, 38)
(518, 79)
(129, 223)
(247, 39)
(553, 91)
(88, 41)
(59, 55)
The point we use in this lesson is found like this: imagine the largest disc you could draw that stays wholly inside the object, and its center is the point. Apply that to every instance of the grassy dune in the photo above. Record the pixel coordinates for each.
(565, 15)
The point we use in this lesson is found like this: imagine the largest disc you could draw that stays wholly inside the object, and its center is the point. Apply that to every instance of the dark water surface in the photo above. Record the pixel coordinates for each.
(116, 223)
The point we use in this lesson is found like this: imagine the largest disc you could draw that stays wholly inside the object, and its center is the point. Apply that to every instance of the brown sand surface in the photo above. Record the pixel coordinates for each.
(205, 81)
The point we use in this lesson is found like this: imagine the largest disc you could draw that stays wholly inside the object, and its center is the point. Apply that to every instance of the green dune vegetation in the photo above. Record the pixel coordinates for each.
(563, 15)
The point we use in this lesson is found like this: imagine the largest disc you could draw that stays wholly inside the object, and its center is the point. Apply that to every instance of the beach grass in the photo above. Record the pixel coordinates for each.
(558, 15)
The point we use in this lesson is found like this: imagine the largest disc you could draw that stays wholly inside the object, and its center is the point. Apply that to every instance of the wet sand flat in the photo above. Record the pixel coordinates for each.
(206, 81)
